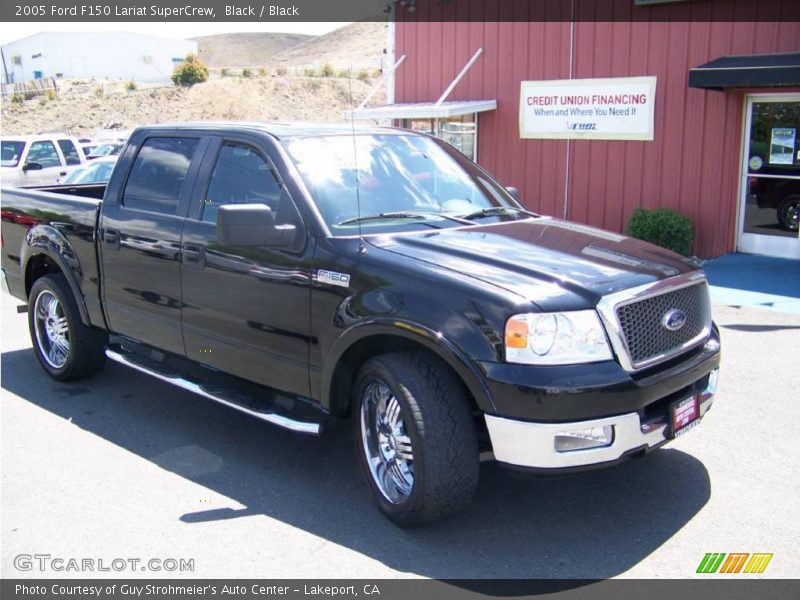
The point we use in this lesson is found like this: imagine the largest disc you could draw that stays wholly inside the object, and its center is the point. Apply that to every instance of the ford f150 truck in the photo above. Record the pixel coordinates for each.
(301, 272)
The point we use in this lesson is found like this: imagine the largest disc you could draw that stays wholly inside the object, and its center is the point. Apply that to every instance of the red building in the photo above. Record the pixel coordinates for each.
(724, 148)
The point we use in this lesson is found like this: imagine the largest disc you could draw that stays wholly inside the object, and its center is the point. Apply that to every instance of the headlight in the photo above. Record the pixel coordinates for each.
(556, 338)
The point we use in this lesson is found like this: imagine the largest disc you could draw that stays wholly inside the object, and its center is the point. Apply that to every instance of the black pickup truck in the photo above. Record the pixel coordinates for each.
(304, 272)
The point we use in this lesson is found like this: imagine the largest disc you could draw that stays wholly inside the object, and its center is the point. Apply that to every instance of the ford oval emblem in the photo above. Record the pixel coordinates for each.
(674, 319)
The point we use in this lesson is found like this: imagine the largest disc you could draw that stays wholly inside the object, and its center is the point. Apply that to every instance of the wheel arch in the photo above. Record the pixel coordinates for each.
(41, 258)
(379, 337)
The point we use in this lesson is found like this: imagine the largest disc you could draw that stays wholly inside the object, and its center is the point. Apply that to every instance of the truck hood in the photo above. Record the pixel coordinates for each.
(555, 264)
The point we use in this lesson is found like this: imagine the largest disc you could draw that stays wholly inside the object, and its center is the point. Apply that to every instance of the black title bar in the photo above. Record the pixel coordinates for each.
(266, 11)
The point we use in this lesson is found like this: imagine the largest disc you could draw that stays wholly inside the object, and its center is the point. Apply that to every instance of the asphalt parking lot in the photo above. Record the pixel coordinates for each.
(124, 466)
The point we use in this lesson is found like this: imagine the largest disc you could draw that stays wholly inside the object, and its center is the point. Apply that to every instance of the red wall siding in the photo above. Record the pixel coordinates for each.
(691, 166)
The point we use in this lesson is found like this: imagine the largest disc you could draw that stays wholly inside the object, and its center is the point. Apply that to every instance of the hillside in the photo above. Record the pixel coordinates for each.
(111, 105)
(359, 45)
(245, 49)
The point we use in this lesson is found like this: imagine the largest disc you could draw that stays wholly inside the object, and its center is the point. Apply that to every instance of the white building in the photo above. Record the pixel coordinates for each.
(114, 55)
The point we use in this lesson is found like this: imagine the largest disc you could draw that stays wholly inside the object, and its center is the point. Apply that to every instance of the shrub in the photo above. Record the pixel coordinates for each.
(376, 73)
(192, 70)
(262, 72)
(99, 92)
(309, 72)
(663, 227)
(363, 74)
(327, 70)
(246, 72)
(17, 98)
(280, 70)
(342, 73)
(130, 86)
(51, 94)
(223, 72)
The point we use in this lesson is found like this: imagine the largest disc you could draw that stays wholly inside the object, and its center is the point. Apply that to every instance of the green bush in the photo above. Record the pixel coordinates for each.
(663, 227)
(343, 73)
(262, 72)
(192, 70)
(363, 74)
(280, 70)
(17, 98)
(223, 72)
(51, 94)
(327, 70)
(130, 86)
(309, 72)
(247, 72)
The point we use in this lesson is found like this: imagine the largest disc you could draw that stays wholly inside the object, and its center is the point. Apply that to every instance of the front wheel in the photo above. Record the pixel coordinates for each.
(66, 348)
(789, 213)
(415, 437)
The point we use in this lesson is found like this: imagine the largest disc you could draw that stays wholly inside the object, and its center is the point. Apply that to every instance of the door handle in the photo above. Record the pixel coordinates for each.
(194, 255)
(62, 173)
(111, 238)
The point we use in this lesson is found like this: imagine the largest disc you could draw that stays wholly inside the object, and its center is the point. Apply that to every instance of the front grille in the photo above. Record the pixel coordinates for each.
(645, 336)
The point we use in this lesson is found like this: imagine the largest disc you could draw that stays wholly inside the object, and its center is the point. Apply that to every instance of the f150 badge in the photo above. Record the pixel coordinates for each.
(333, 278)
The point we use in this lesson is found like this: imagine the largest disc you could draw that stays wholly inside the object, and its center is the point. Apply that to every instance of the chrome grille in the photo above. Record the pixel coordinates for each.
(641, 326)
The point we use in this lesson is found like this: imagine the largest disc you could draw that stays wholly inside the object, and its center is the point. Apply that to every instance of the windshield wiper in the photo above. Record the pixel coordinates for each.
(403, 215)
(496, 210)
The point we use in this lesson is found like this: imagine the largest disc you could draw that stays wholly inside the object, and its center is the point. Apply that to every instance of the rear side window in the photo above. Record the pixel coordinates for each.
(43, 153)
(158, 173)
(241, 176)
(70, 152)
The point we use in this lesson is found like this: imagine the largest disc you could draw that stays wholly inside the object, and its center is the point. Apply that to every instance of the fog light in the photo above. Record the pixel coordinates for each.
(583, 439)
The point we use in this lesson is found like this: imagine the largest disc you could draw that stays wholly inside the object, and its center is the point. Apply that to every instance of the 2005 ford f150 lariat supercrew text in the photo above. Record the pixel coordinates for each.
(302, 272)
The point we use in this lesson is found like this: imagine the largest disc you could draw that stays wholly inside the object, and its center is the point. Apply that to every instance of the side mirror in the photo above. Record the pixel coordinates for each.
(282, 236)
(32, 166)
(514, 192)
(244, 224)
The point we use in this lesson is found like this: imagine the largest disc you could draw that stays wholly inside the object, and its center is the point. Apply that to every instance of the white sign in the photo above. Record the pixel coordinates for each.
(621, 108)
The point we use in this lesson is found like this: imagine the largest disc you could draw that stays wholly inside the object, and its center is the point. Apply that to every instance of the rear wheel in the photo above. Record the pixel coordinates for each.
(66, 348)
(415, 437)
(789, 213)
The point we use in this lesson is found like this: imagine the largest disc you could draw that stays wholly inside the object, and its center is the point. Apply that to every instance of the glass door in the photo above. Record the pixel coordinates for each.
(769, 210)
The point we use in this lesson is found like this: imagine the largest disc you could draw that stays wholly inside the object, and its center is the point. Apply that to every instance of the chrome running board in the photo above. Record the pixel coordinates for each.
(269, 417)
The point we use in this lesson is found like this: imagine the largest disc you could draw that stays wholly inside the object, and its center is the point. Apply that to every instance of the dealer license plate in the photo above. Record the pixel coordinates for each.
(684, 415)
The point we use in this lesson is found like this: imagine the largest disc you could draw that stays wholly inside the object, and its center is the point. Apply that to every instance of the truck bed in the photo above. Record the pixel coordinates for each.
(68, 213)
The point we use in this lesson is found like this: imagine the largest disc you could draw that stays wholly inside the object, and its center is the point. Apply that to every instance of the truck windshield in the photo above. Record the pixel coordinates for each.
(11, 152)
(405, 182)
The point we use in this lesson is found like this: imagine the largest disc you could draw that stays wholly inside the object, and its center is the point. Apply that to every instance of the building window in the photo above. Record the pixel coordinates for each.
(459, 131)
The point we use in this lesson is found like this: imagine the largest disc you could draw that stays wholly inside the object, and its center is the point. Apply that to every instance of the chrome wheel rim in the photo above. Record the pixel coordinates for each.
(386, 443)
(52, 331)
(791, 215)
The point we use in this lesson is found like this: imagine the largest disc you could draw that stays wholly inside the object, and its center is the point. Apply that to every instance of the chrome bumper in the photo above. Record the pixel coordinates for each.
(527, 444)
(4, 281)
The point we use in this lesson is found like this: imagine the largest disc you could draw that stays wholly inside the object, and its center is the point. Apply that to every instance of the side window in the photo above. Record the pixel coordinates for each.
(241, 176)
(43, 153)
(70, 152)
(158, 173)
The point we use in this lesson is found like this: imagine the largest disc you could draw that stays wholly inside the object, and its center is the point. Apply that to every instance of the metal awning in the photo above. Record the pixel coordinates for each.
(751, 70)
(421, 110)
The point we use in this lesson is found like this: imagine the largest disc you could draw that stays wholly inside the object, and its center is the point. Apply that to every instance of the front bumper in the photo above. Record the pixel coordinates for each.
(532, 445)
(4, 281)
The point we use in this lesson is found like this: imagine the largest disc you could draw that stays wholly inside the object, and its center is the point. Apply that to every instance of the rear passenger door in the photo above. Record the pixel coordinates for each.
(246, 309)
(140, 236)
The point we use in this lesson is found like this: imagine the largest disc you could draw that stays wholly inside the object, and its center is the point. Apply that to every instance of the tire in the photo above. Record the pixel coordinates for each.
(788, 212)
(412, 418)
(65, 347)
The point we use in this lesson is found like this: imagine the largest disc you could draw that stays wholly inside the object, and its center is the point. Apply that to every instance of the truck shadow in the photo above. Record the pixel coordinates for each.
(591, 526)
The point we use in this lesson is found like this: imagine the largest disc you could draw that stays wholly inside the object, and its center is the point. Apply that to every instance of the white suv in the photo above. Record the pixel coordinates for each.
(38, 159)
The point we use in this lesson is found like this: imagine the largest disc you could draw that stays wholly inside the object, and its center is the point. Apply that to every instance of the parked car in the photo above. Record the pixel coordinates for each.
(301, 273)
(106, 149)
(96, 171)
(38, 159)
